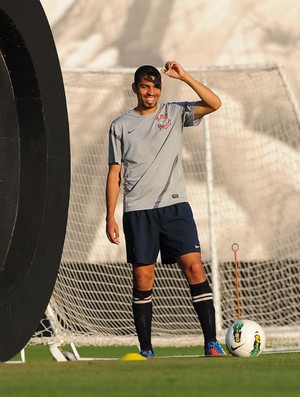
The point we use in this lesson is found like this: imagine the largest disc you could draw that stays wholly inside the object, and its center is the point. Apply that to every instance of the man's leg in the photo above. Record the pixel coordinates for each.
(143, 278)
(202, 296)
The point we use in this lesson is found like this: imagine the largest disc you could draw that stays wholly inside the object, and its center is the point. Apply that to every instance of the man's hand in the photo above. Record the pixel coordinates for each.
(174, 69)
(209, 101)
(112, 231)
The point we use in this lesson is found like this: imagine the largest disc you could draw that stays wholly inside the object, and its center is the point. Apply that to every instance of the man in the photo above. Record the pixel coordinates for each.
(146, 143)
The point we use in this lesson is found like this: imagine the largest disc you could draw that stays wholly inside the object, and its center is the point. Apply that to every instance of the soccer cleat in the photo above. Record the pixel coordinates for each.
(214, 349)
(147, 353)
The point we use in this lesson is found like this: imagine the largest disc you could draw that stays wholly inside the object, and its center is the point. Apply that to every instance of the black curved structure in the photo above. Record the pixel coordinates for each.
(34, 170)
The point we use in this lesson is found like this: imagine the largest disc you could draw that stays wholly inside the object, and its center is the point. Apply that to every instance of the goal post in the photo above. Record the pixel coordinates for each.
(242, 174)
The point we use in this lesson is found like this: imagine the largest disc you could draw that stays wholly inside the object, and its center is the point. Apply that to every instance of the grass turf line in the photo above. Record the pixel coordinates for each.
(267, 375)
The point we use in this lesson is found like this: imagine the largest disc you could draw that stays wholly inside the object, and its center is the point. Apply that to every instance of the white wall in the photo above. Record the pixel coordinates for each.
(101, 34)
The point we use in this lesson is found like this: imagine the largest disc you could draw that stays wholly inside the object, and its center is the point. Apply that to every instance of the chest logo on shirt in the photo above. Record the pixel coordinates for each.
(163, 121)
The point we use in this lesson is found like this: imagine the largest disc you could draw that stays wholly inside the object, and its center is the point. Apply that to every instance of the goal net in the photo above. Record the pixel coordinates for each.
(242, 173)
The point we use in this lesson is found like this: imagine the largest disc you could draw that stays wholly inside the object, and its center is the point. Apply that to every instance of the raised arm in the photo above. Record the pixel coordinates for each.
(209, 101)
(112, 193)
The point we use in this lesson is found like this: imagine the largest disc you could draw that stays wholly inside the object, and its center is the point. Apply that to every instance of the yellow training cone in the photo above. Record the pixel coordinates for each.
(133, 357)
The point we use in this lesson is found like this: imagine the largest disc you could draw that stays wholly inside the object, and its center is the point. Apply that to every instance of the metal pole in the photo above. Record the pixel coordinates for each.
(212, 233)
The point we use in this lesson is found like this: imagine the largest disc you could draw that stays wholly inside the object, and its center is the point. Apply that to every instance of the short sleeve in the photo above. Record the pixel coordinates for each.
(188, 114)
(114, 146)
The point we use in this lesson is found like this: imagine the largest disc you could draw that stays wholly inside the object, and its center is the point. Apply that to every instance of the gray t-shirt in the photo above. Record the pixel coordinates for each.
(149, 148)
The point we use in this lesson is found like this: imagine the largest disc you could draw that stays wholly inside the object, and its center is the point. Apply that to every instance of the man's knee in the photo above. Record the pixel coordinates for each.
(143, 277)
(192, 267)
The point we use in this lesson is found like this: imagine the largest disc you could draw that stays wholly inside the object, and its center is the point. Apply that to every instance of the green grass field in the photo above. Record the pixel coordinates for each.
(267, 375)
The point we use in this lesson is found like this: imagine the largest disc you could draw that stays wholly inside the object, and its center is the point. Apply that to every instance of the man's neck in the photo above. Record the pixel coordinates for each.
(144, 111)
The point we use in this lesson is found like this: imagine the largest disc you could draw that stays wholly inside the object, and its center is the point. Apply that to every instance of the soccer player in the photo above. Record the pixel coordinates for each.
(145, 144)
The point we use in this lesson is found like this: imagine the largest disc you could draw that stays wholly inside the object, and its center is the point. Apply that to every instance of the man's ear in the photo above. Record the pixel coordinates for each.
(133, 87)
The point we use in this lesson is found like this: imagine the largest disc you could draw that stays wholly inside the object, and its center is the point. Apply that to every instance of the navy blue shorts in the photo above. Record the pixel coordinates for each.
(170, 230)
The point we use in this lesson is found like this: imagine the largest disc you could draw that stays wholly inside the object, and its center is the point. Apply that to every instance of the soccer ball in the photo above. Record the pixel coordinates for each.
(245, 338)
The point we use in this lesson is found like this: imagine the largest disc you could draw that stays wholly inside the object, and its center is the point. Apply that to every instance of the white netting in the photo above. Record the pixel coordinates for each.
(254, 193)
